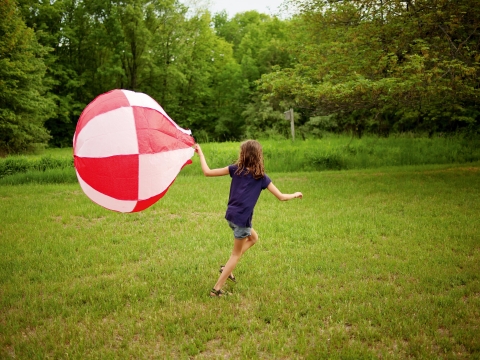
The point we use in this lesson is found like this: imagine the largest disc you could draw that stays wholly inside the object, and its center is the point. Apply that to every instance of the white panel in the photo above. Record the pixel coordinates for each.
(104, 200)
(108, 134)
(141, 99)
(157, 171)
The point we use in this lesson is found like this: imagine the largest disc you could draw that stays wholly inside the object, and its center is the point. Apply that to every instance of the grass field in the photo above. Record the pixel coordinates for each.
(379, 263)
(333, 152)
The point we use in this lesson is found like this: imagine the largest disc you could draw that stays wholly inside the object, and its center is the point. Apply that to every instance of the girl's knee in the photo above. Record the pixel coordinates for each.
(236, 255)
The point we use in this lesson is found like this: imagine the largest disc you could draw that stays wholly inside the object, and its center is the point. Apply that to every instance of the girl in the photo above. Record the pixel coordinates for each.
(248, 180)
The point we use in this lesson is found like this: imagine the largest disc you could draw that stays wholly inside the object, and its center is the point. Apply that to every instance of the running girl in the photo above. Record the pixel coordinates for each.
(248, 180)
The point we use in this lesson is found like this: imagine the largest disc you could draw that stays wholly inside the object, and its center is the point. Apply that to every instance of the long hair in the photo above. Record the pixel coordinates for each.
(250, 159)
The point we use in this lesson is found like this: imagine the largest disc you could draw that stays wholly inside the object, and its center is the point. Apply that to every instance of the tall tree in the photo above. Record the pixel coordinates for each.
(384, 65)
(259, 45)
(203, 75)
(23, 104)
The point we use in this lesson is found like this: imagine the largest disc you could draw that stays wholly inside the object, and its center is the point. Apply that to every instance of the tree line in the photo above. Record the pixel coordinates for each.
(360, 65)
(383, 66)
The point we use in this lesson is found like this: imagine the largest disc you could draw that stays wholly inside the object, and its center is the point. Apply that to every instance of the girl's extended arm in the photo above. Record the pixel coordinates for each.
(206, 170)
(283, 197)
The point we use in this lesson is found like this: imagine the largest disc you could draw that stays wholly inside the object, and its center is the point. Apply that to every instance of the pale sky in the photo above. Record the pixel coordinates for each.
(232, 7)
(235, 6)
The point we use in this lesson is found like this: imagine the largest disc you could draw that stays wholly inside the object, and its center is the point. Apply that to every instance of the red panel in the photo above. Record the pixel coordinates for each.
(143, 204)
(157, 134)
(101, 104)
(115, 176)
(187, 163)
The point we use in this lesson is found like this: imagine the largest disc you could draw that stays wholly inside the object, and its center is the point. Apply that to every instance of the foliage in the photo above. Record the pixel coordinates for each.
(23, 104)
(19, 164)
(383, 66)
(356, 66)
(187, 61)
(258, 46)
(261, 120)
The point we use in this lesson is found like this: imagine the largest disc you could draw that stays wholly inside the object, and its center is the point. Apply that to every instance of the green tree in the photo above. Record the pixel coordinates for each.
(203, 75)
(23, 104)
(65, 27)
(206, 97)
(164, 72)
(258, 42)
(97, 46)
(383, 65)
(193, 74)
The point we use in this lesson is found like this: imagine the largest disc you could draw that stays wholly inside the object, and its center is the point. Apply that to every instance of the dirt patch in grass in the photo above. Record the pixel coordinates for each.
(80, 222)
(214, 350)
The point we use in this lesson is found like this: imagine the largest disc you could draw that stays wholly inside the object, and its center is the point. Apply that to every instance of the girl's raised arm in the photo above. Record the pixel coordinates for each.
(283, 197)
(206, 170)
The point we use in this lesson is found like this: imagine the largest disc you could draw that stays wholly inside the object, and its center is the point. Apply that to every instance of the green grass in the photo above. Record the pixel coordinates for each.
(330, 153)
(344, 153)
(371, 263)
(12, 166)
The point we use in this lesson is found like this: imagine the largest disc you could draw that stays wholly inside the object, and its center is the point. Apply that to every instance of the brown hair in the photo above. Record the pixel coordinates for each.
(250, 159)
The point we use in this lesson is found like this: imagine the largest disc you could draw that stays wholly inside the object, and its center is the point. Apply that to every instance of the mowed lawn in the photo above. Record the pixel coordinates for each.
(370, 264)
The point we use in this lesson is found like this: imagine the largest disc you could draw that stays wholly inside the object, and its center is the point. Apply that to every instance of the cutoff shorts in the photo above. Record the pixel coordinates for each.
(240, 232)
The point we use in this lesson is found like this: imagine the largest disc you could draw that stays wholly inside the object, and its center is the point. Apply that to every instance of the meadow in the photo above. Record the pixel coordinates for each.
(333, 152)
(374, 262)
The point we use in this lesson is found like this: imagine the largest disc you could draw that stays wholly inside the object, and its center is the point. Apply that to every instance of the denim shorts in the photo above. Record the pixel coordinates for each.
(240, 232)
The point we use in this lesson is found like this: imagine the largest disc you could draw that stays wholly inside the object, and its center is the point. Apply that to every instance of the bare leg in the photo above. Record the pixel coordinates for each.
(231, 263)
(251, 240)
(239, 248)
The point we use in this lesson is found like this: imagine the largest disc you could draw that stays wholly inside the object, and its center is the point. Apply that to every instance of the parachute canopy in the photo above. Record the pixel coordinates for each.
(128, 151)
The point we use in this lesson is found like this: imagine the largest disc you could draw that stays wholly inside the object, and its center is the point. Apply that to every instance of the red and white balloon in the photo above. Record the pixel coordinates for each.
(128, 151)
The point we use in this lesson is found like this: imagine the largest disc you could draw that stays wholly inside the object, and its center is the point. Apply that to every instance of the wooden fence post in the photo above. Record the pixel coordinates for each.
(289, 116)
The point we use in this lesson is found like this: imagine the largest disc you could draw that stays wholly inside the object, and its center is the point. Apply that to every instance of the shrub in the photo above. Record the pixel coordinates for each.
(328, 161)
(49, 176)
(14, 165)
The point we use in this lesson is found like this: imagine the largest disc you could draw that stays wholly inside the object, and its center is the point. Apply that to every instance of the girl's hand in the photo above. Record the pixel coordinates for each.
(298, 195)
(197, 148)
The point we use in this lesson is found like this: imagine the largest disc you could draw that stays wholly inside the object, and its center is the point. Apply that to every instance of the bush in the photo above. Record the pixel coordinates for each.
(14, 165)
(11, 166)
(49, 176)
(328, 161)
